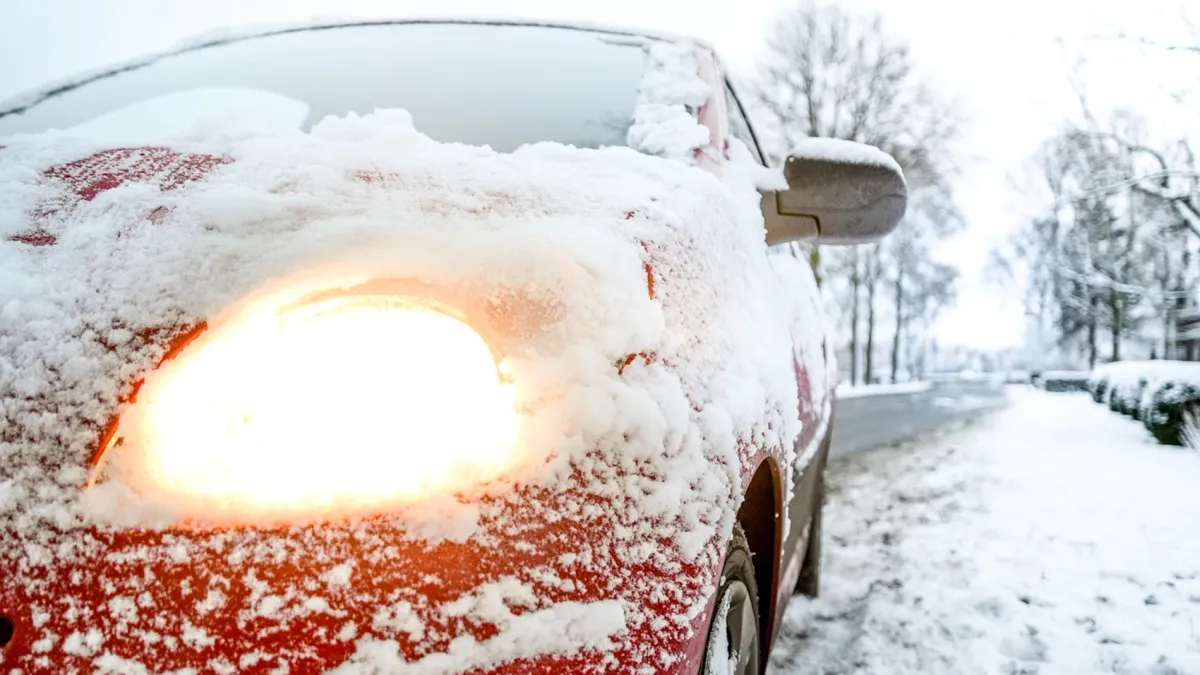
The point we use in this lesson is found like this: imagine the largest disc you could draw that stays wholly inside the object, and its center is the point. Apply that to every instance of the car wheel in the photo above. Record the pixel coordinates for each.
(734, 645)
(809, 582)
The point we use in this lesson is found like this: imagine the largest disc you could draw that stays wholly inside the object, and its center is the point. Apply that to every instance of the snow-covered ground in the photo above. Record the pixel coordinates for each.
(1052, 537)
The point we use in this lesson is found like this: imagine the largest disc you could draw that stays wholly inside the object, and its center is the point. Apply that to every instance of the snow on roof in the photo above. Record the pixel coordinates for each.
(637, 255)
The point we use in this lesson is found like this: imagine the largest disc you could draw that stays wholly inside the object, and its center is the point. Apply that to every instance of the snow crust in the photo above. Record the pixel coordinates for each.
(664, 117)
(1053, 537)
(648, 332)
(560, 629)
(837, 150)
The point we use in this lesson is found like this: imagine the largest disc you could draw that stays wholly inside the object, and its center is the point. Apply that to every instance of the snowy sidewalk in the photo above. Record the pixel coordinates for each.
(1053, 537)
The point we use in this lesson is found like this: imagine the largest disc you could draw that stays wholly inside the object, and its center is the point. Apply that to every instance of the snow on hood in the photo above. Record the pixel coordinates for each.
(668, 348)
(368, 198)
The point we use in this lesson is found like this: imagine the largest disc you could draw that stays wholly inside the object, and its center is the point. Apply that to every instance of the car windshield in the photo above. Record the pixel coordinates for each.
(482, 84)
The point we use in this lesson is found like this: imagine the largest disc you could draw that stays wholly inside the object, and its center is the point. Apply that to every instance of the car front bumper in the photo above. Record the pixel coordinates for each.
(545, 583)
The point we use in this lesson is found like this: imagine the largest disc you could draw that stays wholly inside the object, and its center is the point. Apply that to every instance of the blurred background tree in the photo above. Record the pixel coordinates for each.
(830, 72)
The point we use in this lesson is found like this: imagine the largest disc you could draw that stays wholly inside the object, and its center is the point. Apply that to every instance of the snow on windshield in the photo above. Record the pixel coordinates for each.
(643, 367)
(185, 112)
(461, 82)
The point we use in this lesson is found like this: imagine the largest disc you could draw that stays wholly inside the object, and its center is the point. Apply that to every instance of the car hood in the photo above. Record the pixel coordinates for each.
(617, 286)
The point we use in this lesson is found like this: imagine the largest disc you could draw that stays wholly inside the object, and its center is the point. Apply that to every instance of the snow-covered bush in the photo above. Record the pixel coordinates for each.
(1064, 380)
(1191, 428)
(1174, 405)
(1164, 395)
(1098, 386)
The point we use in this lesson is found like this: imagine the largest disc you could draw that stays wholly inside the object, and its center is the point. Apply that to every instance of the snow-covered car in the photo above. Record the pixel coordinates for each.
(412, 347)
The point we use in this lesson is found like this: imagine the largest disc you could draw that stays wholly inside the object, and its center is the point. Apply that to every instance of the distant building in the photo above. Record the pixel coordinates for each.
(1187, 335)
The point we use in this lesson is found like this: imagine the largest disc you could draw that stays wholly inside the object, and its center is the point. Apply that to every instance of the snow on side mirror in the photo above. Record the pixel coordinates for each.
(839, 192)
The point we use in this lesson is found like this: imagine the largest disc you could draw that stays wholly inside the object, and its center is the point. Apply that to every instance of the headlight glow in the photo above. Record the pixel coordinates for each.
(346, 404)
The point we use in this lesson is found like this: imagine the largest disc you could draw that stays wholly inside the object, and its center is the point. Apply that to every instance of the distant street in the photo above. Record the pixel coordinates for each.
(871, 421)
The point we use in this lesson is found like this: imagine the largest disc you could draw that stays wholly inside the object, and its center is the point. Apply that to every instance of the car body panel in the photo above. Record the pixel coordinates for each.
(204, 598)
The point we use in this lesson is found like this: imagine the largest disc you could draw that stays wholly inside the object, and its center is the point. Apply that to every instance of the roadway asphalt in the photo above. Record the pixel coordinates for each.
(869, 422)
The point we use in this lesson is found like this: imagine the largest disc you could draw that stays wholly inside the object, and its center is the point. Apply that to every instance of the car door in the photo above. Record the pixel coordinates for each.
(809, 361)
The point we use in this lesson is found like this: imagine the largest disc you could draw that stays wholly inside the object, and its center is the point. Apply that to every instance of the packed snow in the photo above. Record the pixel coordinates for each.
(1052, 537)
(845, 152)
(618, 287)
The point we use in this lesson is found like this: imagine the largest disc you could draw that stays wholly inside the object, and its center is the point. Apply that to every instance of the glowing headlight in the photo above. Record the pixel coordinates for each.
(351, 403)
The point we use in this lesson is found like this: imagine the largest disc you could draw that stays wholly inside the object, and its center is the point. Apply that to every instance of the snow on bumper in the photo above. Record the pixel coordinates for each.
(525, 594)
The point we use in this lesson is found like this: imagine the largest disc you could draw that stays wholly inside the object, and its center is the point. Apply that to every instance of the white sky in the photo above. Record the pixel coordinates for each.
(1008, 63)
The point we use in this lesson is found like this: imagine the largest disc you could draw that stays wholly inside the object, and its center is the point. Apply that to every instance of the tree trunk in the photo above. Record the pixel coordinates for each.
(870, 327)
(1114, 306)
(1094, 304)
(899, 324)
(855, 282)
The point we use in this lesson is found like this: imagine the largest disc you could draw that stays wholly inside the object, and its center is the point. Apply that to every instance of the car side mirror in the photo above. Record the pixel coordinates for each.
(839, 192)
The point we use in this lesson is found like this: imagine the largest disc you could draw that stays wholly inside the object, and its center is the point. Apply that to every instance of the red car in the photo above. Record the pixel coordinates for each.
(531, 378)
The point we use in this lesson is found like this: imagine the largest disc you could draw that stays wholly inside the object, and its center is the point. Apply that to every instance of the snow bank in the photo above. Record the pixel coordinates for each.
(1156, 392)
(1054, 537)
(644, 326)
(1131, 373)
(859, 391)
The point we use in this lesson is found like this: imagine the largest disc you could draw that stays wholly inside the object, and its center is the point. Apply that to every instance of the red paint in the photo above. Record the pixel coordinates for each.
(84, 179)
(177, 340)
(389, 567)
(34, 238)
(164, 167)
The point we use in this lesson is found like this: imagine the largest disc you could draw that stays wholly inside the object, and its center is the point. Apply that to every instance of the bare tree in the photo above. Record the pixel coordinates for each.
(837, 74)
(873, 270)
(1108, 254)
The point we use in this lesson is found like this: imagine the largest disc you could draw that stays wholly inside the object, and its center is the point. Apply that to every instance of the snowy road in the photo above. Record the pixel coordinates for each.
(1050, 537)
(871, 421)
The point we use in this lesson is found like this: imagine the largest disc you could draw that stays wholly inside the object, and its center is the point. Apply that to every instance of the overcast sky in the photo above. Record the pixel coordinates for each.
(1008, 63)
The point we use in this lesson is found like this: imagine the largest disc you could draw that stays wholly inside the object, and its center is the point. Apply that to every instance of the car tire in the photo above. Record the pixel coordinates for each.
(809, 582)
(734, 643)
